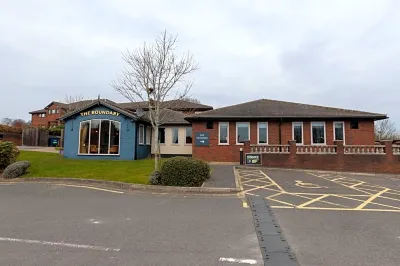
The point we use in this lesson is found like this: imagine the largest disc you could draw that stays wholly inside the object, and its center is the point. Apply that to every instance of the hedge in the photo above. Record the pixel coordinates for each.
(8, 154)
(184, 172)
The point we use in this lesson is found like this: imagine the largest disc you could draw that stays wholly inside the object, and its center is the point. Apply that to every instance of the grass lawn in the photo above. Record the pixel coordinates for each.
(45, 164)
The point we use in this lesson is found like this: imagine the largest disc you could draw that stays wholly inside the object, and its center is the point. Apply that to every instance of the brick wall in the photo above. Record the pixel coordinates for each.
(13, 137)
(377, 163)
(230, 153)
(50, 119)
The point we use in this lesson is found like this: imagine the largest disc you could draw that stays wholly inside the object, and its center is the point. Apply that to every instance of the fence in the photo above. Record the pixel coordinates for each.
(35, 137)
(360, 158)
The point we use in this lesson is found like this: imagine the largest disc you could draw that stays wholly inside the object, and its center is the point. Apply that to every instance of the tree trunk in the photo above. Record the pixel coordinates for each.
(157, 151)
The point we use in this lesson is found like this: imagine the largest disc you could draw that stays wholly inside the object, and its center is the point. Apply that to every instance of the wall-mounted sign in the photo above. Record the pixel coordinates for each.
(99, 112)
(253, 158)
(201, 139)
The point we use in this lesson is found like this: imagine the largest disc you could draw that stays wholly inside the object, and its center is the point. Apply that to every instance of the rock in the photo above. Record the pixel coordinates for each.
(16, 169)
(155, 178)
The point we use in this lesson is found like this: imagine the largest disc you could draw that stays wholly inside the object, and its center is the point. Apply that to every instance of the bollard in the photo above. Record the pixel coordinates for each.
(241, 156)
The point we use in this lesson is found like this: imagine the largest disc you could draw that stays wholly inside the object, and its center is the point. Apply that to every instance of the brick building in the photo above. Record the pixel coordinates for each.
(269, 122)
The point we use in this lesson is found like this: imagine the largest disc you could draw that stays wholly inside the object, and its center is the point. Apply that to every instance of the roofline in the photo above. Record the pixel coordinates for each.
(200, 118)
(104, 103)
(38, 112)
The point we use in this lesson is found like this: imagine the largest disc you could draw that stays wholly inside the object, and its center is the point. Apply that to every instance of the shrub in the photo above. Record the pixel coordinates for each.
(8, 154)
(16, 169)
(184, 172)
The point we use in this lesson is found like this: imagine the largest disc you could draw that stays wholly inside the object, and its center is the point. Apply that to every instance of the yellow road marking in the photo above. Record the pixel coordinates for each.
(352, 186)
(282, 207)
(286, 203)
(323, 201)
(362, 205)
(95, 188)
(274, 195)
(273, 182)
(311, 201)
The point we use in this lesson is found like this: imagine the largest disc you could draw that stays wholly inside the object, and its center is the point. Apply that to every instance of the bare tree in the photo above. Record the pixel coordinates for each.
(192, 100)
(385, 130)
(153, 74)
(18, 123)
(74, 102)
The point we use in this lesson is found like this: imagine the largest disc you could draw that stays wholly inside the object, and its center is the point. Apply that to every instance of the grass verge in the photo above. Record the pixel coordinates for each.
(45, 164)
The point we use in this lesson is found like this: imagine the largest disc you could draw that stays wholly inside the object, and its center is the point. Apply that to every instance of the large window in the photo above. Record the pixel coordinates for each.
(148, 135)
(99, 137)
(242, 132)
(262, 132)
(175, 135)
(161, 135)
(188, 139)
(223, 133)
(141, 134)
(297, 132)
(338, 131)
(318, 132)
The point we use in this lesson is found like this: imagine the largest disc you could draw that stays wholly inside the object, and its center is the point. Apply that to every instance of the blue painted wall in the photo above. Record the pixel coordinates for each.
(143, 150)
(127, 136)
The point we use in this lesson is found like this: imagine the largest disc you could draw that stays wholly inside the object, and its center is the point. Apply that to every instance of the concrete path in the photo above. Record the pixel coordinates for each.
(43, 224)
(221, 176)
(38, 149)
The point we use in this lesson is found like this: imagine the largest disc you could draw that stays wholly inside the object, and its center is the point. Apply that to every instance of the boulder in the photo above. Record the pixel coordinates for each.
(16, 169)
(155, 178)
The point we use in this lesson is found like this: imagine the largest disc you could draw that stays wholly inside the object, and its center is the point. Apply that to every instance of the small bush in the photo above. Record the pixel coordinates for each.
(8, 154)
(16, 169)
(184, 172)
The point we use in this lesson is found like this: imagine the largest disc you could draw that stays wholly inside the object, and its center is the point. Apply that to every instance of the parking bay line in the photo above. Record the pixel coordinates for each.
(240, 261)
(49, 243)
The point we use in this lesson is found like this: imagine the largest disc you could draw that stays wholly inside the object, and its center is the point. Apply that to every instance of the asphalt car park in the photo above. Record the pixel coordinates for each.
(58, 224)
(332, 218)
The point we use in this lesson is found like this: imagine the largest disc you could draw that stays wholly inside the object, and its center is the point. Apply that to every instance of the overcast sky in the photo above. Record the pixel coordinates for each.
(335, 53)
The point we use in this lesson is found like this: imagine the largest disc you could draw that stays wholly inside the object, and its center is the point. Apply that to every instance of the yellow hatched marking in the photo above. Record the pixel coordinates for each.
(370, 199)
(311, 201)
(352, 186)
(274, 195)
(283, 202)
(323, 201)
(255, 187)
(273, 182)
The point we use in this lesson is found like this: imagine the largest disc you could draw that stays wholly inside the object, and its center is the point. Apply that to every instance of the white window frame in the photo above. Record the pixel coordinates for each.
(219, 133)
(258, 133)
(302, 131)
(148, 135)
(141, 132)
(109, 138)
(190, 136)
(53, 111)
(311, 126)
(248, 123)
(344, 130)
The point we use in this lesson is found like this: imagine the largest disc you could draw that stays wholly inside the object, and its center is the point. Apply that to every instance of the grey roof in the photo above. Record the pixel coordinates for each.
(41, 111)
(266, 108)
(105, 103)
(178, 105)
(170, 117)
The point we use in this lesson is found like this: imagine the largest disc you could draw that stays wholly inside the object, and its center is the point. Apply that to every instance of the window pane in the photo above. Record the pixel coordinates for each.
(161, 135)
(223, 133)
(104, 136)
(339, 131)
(318, 132)
(114, 137)
(141, 134)
(175, 137)
(188, 135)
(242, 132)
(262, 132)
(298, 132)
(94, 136)
(84, 137)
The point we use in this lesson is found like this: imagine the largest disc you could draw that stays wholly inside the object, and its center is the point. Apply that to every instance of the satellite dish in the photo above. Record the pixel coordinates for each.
(140, 112)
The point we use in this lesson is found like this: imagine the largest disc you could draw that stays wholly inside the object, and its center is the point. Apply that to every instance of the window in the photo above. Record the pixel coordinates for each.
(242, 132)
(42, 115)
(53, 111)
(318, 132)
(141, 134)
(210, 124)
(223, 133)
(99, 137)
(188, 139)
(49, 111)
(1, 136)
(148, 135)
(297, 132)
(354, 124)
(175, 135)
(262, 133)
(161, 135)
(338, 131)
(58, 111)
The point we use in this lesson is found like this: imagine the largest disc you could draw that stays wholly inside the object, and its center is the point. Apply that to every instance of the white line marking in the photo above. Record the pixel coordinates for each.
(28, 241)
(95, 188)
(243, 261)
